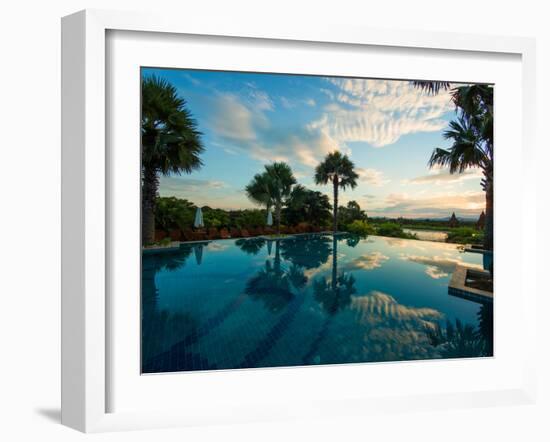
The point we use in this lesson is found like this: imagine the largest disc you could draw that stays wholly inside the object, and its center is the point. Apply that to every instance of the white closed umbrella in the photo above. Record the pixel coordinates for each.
(269, 221)
(199, 222)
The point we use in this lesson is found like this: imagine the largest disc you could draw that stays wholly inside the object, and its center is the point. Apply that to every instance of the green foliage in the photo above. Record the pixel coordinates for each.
(304, 205)
(465, 235)
(170, 140)
(259, 190)
(215, 217)
(394, 230)
(350, 213)
(248, 218)
(361, 228)
(173, 213)
(280, 181)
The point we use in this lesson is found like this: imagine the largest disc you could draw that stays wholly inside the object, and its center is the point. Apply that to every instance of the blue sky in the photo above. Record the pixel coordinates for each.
(387, 127)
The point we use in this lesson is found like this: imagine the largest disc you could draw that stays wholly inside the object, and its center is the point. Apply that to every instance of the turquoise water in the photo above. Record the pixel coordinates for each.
(310, 300)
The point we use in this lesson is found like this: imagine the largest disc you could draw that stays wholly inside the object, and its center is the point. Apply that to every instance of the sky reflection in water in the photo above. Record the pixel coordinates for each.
(318, 300)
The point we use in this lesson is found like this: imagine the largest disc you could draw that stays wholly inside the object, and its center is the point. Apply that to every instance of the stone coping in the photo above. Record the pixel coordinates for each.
(274, 238)
(172, 246)
(458, 287)
(471, 249)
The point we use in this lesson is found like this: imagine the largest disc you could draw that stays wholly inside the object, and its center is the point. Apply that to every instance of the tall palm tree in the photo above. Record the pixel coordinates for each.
(469, 149)
(337, 169)
(170, 143)
(272, 187)
(472, 136)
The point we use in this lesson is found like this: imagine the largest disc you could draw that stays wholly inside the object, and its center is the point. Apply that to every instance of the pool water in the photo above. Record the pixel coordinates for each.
(307, 300)
(428, 235)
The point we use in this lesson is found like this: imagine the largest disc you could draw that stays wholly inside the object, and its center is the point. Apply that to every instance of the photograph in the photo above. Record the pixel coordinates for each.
(302, 220)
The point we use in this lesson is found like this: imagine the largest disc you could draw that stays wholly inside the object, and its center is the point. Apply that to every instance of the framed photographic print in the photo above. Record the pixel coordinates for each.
(274, 261)
(251, 213)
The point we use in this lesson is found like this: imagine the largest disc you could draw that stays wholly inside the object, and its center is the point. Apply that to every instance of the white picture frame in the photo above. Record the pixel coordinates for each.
(86, 315)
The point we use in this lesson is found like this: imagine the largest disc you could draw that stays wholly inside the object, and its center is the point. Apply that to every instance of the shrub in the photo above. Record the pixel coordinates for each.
(393, 230)
(362, 228)
(465, 235)
(174, 213)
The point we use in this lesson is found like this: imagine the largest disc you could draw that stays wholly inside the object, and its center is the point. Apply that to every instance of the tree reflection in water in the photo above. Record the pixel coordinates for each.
(250, 246)
(461, 340)
(353, 240)
(333, 295)
(308, 251)
(274, 283)
(274, 286)
(161, 328)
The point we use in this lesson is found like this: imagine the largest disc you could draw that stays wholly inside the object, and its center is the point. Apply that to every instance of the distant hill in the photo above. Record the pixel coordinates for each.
(447, 218)
(441, 219)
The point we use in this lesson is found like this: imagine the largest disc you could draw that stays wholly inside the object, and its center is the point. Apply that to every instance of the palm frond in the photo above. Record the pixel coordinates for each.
(431, 87)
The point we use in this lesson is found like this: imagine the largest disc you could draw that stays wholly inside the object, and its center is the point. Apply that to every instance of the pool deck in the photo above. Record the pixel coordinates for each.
(458, 287)
(475, 249)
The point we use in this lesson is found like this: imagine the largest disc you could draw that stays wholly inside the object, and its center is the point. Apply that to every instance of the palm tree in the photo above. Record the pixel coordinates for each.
(432, 87)
(338, 169)
(170, 143)
(258, 190)
(469, 149)
(272, 187)
(280, 183)
(472, 136)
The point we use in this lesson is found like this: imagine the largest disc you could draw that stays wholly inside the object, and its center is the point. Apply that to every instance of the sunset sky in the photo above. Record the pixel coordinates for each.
(388, 129)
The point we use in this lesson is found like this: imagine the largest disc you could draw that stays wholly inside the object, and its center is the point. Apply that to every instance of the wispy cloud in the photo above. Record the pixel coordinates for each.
(259, 98)
(380, 111)
(372, 176)
(440, 175)
(291, 103)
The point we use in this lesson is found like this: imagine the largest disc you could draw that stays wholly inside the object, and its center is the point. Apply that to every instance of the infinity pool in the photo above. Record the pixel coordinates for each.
(307, 300)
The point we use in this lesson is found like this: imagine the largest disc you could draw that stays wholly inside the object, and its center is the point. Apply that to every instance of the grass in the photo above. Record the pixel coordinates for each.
(393, 230)
(465, 235)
